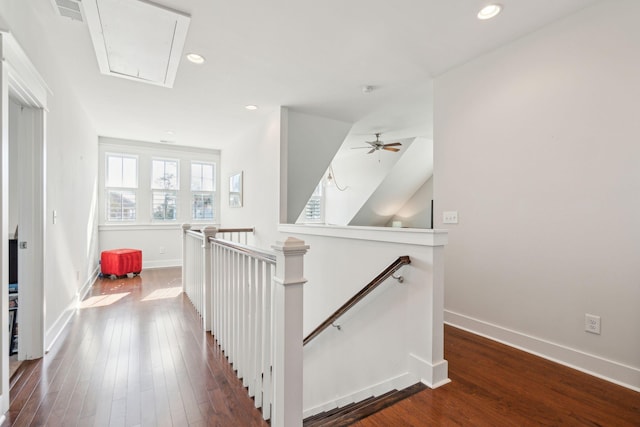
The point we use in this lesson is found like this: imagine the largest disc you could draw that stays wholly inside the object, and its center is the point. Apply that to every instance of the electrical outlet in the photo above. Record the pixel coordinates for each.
(450, 217)
(161, 249)
(592, 323)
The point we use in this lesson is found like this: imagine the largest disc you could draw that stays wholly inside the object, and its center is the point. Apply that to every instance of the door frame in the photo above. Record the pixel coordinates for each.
(21, 80)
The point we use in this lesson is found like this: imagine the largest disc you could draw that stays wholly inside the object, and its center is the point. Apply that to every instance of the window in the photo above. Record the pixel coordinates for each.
(313, 209)
(157, 185)
(202, 191)
(121, 183)
(121, 205)
(164, 189)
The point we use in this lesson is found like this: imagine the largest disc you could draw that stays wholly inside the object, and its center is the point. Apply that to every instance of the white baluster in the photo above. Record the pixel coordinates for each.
(267, 392)
(205, 284)
(232, 306)
(214, 293)
(242, 327)
(185, 256)
(223, 297)
(259, 354)
(251, 339)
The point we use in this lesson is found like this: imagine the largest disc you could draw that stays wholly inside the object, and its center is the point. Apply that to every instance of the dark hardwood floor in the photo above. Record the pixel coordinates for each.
(135, 355)
(496, 385)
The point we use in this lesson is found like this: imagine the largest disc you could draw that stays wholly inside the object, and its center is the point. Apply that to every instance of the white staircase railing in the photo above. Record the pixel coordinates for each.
(195, 270)
(251, 301)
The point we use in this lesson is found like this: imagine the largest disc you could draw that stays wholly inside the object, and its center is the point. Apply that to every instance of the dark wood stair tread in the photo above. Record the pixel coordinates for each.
(351, 413)
(342, 410)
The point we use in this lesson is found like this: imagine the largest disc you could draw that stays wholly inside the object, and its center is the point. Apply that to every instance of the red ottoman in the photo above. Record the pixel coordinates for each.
(119, 262)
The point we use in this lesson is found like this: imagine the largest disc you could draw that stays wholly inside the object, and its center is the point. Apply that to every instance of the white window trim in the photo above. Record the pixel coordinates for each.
(106, 189)
(213, 193)
(154, 190)
(123, 155)
(145, 152)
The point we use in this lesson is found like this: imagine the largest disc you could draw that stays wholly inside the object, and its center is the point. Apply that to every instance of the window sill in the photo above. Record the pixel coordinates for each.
(147, 226)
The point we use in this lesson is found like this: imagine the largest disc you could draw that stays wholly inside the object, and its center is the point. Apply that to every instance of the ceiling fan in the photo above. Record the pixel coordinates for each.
(380, 145)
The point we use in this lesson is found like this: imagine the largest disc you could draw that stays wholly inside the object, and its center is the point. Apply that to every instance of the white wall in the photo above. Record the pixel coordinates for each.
(536, 147)
(416, 213)
(160, 241)
(71, 156)
(391, 339)
(161, 246)
(257, 154)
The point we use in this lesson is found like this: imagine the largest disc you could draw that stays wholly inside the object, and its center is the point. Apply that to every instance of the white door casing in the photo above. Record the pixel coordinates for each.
(20, 79)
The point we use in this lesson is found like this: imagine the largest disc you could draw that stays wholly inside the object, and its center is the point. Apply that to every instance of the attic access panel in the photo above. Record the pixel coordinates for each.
(136, 39)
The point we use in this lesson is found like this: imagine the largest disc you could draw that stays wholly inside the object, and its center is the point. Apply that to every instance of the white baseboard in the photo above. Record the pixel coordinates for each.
(84, 290)
(432, 375)
(609, 370)
(65, 317)
(397, 383)
(58, 326)
(164, 263)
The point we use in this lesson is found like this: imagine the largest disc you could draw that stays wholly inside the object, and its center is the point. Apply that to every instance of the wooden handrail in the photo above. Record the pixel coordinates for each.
(236, 230)
(224, 230)
(386, 273)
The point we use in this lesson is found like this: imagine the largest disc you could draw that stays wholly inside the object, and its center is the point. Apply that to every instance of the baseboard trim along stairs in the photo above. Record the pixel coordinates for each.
(353, 412)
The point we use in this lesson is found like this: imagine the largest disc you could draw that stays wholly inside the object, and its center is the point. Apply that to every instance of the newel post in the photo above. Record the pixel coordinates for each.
(206, 277)
(185, 265)
(288, 281)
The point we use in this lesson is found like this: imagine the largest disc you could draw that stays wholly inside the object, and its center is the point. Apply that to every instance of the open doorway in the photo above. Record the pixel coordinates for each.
(23, 96)
(25, 227)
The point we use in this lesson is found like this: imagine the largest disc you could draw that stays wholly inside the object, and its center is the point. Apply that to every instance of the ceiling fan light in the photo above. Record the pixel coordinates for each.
(489, 11)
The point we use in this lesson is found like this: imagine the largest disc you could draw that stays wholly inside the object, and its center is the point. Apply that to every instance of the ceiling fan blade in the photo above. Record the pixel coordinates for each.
(371, 151)
(391, 149)
(358, 148)
(393, 144)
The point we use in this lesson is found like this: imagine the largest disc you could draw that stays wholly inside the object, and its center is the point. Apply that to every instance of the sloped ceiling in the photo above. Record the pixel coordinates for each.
(310, 144)
(359, 174)
(409, 173)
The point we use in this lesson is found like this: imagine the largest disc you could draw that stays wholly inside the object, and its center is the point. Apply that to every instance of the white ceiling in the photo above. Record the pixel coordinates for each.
(313, 56)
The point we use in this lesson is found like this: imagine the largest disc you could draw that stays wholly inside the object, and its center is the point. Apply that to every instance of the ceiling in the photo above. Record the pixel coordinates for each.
(313, 56)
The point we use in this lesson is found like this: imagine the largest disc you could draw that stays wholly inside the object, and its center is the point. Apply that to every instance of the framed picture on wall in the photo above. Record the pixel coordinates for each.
(235, 190)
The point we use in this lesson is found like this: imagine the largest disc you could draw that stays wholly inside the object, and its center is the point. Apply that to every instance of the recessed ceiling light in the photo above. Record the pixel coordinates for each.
(251, 107)
(169, 132)
(195, 58)
(489, 11)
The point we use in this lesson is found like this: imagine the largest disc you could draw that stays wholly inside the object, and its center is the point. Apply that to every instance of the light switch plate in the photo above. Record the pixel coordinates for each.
(450, 217)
